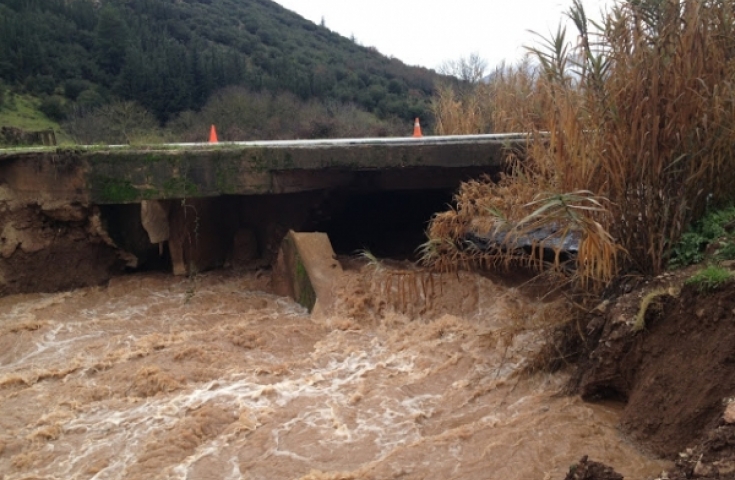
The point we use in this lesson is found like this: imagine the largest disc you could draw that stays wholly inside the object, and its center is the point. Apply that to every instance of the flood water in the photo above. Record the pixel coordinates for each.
(212, 377)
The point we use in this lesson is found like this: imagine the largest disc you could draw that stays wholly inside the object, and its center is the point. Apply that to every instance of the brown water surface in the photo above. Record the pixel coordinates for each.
(157, 377)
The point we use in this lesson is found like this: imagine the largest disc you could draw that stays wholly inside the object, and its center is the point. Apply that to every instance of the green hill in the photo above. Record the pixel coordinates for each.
(170, 56)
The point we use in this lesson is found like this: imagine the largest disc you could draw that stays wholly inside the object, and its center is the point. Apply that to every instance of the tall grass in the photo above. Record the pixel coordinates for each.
(506, 103)
(639, 113)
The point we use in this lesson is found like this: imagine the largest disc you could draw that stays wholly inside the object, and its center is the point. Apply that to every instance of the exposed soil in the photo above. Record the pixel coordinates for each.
(676, 376)
(52, 250)
(588, 470)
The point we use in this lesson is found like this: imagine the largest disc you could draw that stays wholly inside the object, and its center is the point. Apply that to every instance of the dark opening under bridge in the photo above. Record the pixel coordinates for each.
(188, 207)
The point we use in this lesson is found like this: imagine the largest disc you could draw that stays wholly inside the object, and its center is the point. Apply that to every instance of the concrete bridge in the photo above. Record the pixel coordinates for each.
(188, 207)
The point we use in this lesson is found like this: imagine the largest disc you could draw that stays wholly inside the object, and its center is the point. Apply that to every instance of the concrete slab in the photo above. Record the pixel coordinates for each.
(307, 271)
(111, 175)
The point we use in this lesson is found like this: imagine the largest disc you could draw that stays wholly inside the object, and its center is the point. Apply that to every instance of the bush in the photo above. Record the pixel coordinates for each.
(75, 86)
(90, 99)
(53, 108)
(714, 233)
(710, 278)
(116, 123)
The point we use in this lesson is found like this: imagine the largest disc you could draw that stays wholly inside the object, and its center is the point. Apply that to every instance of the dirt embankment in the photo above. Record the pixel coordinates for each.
(46, 249)
(676, 375)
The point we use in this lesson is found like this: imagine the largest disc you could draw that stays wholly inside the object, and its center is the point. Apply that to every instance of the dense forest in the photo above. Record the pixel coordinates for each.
(169, 58)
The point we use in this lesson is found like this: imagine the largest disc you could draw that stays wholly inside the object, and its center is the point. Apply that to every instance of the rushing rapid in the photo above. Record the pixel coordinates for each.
(213, 377)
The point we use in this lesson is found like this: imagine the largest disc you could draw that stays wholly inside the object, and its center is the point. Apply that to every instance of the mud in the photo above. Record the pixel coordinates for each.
(586, 469)
(212, 376)
(54, 249)
(676, 376)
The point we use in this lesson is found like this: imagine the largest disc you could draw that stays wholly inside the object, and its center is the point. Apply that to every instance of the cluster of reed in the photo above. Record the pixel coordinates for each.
(632, 135)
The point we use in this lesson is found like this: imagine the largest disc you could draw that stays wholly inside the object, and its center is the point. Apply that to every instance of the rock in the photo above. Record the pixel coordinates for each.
(725, 468)
(729, 415)
(16, 136)
(702, 470)
(586, 469)
(65, 212)
(27, 239)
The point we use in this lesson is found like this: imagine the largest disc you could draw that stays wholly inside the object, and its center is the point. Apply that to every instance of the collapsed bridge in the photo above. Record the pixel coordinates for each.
(71, 217)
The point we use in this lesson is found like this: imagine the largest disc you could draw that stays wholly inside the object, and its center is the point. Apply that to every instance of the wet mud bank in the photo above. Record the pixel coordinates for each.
(675, 376)
(53, 249)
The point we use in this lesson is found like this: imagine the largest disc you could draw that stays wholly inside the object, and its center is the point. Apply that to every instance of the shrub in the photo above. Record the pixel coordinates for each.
(73, 87)
(710, 278)
(90, 99)
(53, 107)
(116, 123)
(717, 228)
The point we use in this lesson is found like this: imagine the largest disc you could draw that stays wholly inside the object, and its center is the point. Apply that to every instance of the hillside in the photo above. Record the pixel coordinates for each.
(171, 56)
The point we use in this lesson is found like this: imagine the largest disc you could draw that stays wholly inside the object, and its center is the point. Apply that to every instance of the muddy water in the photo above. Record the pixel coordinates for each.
(215, 378)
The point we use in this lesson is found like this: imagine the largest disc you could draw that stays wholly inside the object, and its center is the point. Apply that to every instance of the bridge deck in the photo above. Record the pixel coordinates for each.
(129, 174)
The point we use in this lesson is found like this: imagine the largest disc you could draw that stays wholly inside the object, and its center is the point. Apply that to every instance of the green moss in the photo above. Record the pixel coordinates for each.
(152, 158)
(305, 294)
(115, 190)
(258, 161)
(266, 159)
(225, 175)
(179, 187)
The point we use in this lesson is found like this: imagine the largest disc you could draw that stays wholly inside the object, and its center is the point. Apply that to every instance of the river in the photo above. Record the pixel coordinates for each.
(213, 377)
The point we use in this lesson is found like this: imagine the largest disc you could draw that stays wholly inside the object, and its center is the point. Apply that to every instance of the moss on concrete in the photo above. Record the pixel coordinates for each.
(179, 187)
(133, 173)
(115, 190)
(305, 294)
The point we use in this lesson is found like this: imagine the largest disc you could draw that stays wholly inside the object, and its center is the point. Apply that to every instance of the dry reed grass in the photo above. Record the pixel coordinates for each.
(634, 131)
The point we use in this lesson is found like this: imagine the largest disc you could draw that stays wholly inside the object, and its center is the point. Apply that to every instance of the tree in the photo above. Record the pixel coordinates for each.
(53, 107)
(468, 69)
(128, 121)
(116, 123)
(111, 40)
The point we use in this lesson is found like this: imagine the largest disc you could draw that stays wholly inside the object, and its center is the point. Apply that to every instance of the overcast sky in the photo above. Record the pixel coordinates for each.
(430, 32)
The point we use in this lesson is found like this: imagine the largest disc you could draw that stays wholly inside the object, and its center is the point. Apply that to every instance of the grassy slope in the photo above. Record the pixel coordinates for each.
(21, 111)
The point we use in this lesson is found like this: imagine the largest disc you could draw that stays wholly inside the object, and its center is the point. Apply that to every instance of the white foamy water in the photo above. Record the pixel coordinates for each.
(214, 378)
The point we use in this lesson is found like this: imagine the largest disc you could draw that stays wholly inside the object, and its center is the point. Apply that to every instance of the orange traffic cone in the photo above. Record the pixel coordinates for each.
(417, 128)
(212, 135)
